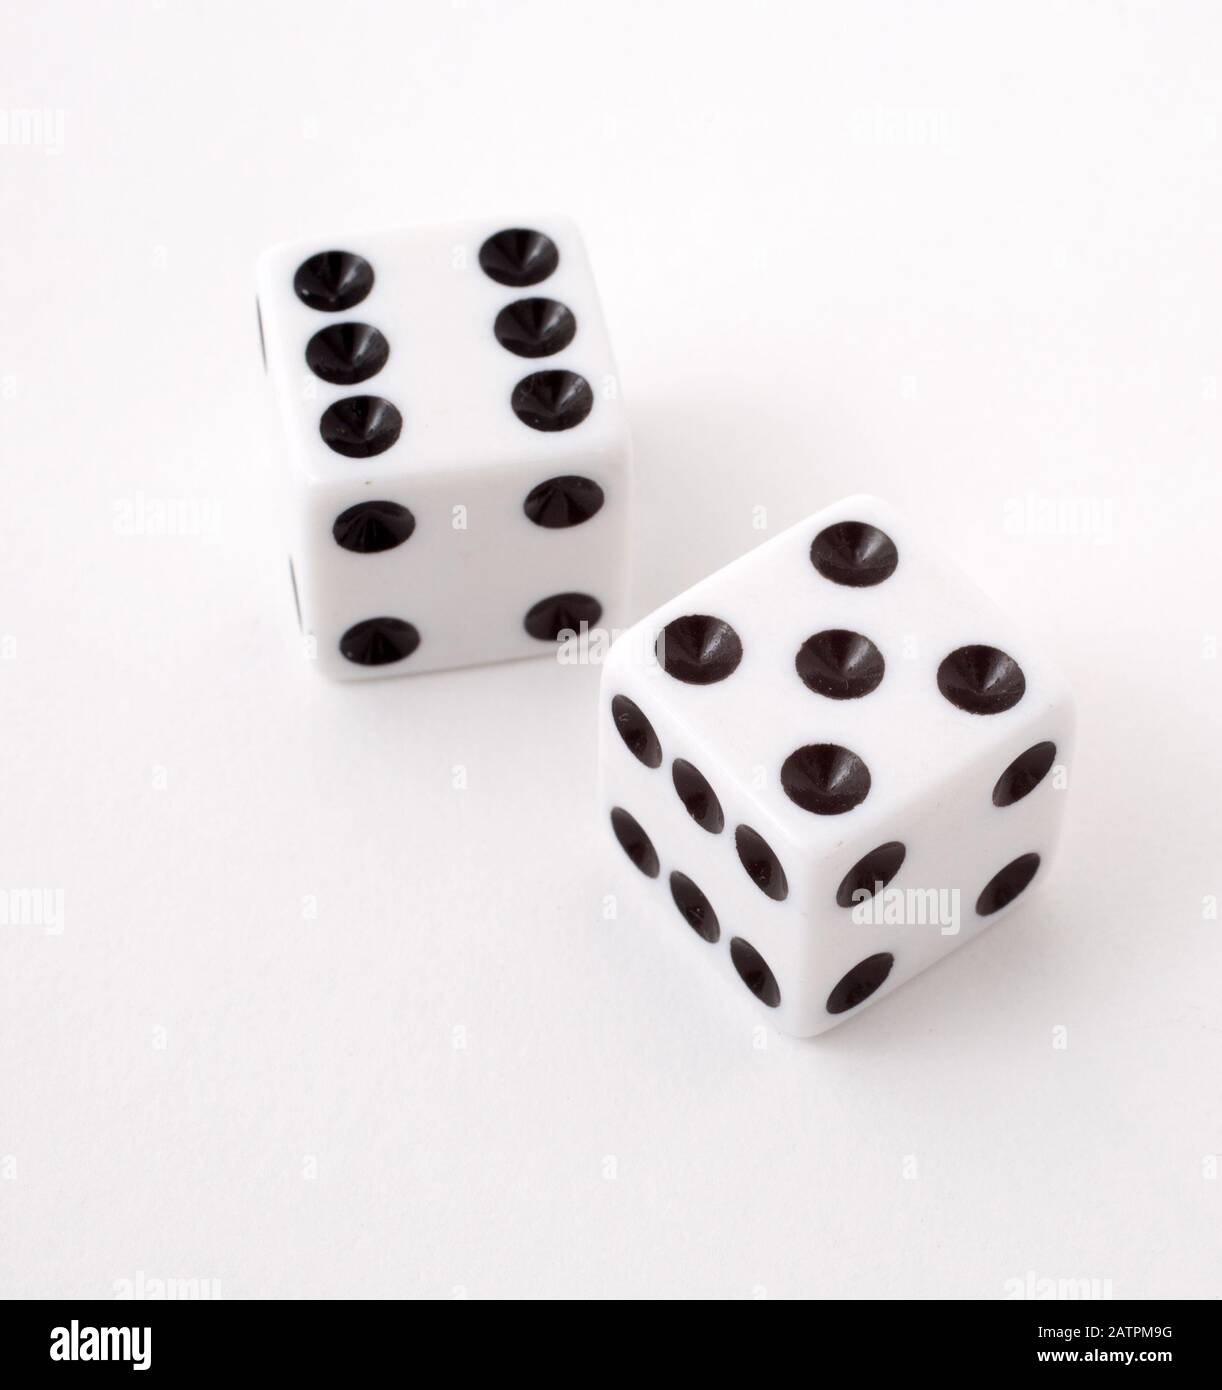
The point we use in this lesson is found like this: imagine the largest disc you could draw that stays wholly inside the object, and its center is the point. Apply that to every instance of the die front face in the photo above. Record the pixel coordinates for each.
(836, 760)
(457, 452)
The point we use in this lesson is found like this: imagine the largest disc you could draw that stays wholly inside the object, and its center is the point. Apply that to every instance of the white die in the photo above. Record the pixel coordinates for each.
(847, 762)
(458, 455)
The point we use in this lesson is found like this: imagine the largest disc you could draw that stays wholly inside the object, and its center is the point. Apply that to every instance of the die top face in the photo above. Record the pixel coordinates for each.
(464, 348)
(838, 676)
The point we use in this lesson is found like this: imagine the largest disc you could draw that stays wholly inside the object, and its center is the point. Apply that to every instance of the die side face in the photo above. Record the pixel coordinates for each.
(889, 765)
(695, 846)
(457, 453)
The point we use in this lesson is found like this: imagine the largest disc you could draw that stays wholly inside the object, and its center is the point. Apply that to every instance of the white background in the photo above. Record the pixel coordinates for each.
(964, 256)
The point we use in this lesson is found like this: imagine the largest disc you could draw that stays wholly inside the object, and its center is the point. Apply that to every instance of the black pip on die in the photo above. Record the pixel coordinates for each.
(458, 455)
(833, 762)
